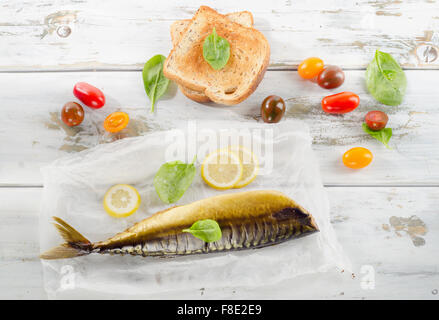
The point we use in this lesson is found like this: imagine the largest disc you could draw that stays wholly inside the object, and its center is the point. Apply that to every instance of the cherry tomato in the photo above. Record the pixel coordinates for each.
(310, 68)
(357, 158)
(72, 114)
(91, 96)
(376, 120)
(116, 121)
(272, 109)
(342, 102)
(330, 77)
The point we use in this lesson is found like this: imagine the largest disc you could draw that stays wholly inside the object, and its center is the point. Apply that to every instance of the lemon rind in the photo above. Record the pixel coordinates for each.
(216, 186)
(121, 215)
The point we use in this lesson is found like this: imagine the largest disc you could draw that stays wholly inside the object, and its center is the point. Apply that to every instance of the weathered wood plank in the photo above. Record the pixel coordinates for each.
(32, 135)
(124, 36)
(389, 231)
(20, 269)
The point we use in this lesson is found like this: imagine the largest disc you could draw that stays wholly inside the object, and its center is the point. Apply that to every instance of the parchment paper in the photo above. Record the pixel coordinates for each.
(74, 187)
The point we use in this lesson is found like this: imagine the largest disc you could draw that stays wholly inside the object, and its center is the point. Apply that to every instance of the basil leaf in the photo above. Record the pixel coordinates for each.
(207, 230)
(382, 135)
(385, 79)
(173, 179)
(216, 50)
(154, 81)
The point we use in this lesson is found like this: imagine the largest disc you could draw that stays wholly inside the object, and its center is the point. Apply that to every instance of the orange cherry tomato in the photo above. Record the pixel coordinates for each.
(116, 121)
(310, 68)
(357, 158)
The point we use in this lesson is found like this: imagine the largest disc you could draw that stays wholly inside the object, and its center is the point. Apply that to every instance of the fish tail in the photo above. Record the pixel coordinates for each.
(75, 244)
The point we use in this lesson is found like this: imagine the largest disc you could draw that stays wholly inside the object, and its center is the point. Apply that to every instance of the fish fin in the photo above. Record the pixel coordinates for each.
(69, 234)
(63, 251)
(75, 243)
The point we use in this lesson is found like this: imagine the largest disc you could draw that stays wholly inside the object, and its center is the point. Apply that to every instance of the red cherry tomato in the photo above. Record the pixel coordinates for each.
(342, 102)
(376, 120)
(357, 158)
(89, 95)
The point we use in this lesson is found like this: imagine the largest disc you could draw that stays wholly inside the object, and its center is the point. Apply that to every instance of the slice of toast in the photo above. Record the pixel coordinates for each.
(249, 58)
(244, 18)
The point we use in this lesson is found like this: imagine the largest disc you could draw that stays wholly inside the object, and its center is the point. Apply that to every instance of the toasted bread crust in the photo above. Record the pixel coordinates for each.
(194, 95)
(178, 28)
(185, 64)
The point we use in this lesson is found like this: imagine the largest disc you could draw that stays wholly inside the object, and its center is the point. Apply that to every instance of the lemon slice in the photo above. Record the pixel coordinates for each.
(222, 169)
(250, 165)
(121, 200)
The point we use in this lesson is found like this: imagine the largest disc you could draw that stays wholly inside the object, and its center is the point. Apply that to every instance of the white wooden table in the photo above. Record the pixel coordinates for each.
(107, 46)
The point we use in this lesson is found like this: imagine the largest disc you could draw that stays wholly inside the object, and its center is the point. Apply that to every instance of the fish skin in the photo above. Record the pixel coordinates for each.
(251, 219)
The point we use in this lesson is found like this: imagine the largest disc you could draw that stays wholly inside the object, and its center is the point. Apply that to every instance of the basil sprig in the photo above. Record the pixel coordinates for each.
(382, 135)
(207, 230)
(154, 81)
(173, 179)
(385, 79)
(216, 50)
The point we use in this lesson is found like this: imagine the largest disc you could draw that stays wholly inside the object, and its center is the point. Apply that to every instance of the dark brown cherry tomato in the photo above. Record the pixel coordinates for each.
(376, 120)
(272, 109)
(330, 77)
(91, 96)
(342, 102)
(72, 114)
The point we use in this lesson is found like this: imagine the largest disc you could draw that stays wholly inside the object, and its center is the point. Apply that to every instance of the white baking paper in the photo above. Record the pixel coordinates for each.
(74, 187)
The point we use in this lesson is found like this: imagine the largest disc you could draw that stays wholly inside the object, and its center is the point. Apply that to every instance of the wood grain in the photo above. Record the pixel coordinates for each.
(402, 269)
(123, 36)
(32, 134)
(21, 275)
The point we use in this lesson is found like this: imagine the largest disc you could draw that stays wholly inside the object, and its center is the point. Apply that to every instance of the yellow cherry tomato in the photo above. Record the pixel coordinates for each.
(116, 121)
(357, 158)
(310, 68)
